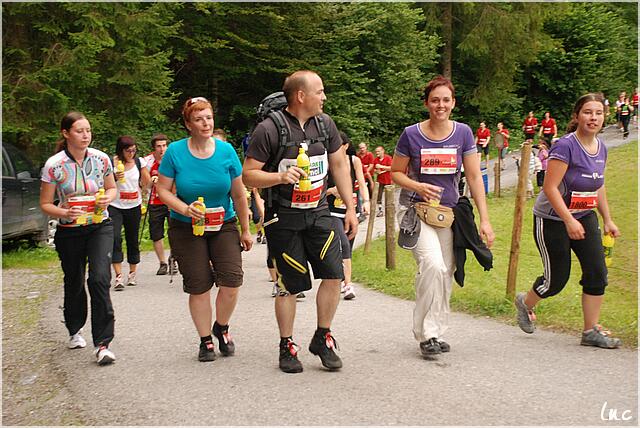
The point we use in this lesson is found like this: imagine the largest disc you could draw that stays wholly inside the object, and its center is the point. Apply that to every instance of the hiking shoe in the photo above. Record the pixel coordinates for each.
(323, 346)
(526, 317)
(444, 346)
(289, 362)
(349, 292)
(225, 341)
(119, 285)
(300, 295)
(430, 348)
(77, 341)
(104, 356)
(163, 269)
(207, 352)
(599, 337)
(131, 279)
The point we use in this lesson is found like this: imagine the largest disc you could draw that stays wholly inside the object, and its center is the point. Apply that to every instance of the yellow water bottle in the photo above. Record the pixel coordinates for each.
(98, 213)
(198, 224)
(303, 163)
(120, 168)
(607, 243)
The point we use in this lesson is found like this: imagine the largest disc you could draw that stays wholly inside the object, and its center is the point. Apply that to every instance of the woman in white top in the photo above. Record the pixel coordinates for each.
(126, 208)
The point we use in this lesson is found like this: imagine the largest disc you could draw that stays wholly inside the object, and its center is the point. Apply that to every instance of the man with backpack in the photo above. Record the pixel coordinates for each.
(297, 222)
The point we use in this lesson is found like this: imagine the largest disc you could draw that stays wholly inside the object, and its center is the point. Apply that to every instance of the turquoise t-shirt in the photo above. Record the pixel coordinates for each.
(210, 178)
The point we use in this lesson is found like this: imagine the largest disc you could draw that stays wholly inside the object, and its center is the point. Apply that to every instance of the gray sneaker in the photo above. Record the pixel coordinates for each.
(599, 337)
(526, 317)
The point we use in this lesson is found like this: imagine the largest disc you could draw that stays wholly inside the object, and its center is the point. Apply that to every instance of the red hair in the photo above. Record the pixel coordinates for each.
(434, 83)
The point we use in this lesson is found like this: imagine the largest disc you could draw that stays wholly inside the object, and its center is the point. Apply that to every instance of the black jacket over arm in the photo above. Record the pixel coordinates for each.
(465, 236)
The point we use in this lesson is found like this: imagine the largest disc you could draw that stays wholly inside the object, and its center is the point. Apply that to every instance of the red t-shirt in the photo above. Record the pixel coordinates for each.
(366, 159)
(548, 125)
(483, 135)
(505, 132)
(153, 166)
(383, 177)
(634, 100)
(530, 124)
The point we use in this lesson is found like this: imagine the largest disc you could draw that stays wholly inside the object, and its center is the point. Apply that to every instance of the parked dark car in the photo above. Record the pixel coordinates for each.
(21, 214)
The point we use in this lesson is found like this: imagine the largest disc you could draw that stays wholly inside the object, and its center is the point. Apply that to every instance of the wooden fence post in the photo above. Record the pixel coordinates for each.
(390, 226)
(373, 206)
(523, 176)
(496, 184)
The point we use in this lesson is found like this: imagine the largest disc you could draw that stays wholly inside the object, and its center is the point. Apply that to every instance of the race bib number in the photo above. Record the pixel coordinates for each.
(583, 201)
(438, 161)
(213, 219)
(87, 204)
(128, 195)
(307, 200)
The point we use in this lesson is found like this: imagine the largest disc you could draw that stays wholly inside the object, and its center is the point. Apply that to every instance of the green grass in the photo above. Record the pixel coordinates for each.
(484, 293)
(24, 256)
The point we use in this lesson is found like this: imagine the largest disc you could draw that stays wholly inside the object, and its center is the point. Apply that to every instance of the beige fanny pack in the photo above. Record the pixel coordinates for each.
(435, 216)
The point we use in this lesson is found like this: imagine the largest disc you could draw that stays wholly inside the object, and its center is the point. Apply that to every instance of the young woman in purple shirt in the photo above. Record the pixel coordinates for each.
(426, 164)
(564, 221)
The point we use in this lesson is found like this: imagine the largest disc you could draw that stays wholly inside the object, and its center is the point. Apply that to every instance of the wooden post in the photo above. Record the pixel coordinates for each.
(390, 226)
(373, 206)
(514, 255)
(496, 173)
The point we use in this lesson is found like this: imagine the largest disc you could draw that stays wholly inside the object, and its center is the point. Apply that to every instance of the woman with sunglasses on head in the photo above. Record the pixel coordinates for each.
(203, 166)
(127, 208)
(426, 164)
(564, 221)
(74, 176)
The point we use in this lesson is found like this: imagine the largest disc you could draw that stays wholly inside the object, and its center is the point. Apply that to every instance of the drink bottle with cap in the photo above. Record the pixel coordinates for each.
(98, 212)
(198, 224)
(120, 168)
(607, 244)
(302, 162)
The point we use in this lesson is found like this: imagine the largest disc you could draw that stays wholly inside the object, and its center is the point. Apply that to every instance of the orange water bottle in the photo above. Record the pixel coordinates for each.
(198, 224)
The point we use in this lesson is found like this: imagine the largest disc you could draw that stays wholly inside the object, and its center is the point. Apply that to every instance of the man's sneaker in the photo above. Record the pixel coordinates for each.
(131, 279)
(163, 269)
(342, 287)
(444, 346)
(430, 348)
(379, 214)
(275, 290)
(300, 295)
(77, 341)
(225, 341)
(599, 337)
(206, 353)
(104, 356)
(289, 362)
(119, 285)
(526, 317)
(349, 292)
(323, 346)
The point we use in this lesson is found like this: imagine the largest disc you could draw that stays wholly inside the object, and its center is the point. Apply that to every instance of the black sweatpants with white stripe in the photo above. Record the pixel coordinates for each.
(555, 248)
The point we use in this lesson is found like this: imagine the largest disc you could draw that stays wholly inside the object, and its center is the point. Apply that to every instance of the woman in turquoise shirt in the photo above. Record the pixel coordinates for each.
(201, 166)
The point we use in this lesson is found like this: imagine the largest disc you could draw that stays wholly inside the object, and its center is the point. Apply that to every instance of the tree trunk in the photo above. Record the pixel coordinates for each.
(447, 36)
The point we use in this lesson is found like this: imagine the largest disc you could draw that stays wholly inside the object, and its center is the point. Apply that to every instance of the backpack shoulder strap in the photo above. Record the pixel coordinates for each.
(138, 163)
(284, 139)
(322, 127)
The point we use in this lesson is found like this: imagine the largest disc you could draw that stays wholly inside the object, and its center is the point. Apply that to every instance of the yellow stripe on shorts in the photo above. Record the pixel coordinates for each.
(293, 263)
(326, 245)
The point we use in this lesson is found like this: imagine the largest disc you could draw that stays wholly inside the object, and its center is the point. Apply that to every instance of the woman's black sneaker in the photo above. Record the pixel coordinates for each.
(289, 362)
(225, 341)
(323, 346)
(430, 348)
(207, 353)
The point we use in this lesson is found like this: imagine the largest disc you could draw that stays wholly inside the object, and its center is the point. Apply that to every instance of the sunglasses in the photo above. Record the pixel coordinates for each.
(195, 100)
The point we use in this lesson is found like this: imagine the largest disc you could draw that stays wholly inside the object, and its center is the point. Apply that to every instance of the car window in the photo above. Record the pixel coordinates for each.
(20, 161)
(6, 166)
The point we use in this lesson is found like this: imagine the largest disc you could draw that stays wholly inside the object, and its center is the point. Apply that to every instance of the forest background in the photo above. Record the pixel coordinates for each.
(130, 66)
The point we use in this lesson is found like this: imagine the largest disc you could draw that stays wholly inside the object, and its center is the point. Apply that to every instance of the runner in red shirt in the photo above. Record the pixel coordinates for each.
(529, 126)
(502, 151)
(548, 130)
(634, 103)
(382, 166)
(483, 136)
(366, 157)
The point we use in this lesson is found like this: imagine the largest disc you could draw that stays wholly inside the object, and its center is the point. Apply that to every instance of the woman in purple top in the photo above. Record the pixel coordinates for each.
(564, 220)
(426, 164)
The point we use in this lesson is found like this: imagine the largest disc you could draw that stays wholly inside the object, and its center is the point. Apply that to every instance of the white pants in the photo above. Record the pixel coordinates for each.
(434, 279)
